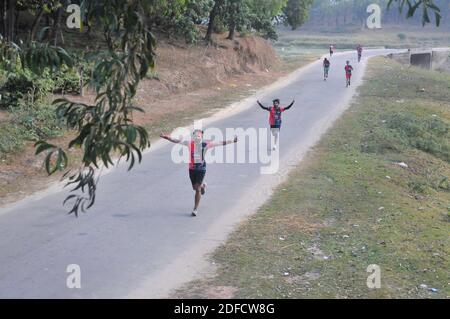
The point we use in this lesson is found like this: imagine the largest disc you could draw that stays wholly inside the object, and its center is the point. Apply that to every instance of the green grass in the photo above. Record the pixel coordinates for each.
(349, 204)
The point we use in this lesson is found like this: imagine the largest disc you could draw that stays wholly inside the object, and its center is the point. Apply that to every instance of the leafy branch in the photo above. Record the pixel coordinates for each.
(106, 129)
(414, 5)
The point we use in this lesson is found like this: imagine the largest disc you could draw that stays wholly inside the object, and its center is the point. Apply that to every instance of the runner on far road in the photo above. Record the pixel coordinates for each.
(197, 165)
(275, 118)
(326, 68)
(360, 50)
(348, 73)
(331, 50)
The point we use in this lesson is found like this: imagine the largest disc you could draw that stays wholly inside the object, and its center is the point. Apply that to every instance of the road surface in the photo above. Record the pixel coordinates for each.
(139, 239)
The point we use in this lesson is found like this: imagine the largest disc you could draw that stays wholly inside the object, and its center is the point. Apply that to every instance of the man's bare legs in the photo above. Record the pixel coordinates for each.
(198, 196)
(275, 136)
(199, 192)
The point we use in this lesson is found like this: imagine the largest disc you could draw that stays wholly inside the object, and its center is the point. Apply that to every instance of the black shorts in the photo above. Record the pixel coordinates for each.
(196, 177)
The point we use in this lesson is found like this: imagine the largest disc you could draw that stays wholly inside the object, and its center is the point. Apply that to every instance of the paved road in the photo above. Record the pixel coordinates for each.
(139, 239)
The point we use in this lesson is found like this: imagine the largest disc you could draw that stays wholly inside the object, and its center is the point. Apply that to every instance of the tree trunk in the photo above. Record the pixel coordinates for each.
(3, 18)
(35, 24)
(212, 16)
(232, 31)
(11, 15)
(57, 26)
(16, 21)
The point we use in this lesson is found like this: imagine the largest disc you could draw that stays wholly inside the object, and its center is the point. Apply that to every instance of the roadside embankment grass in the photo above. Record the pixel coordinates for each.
(375, 190)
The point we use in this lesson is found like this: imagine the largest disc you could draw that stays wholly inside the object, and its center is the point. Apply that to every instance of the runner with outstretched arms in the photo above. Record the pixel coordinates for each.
(275, 118)
(197, 164)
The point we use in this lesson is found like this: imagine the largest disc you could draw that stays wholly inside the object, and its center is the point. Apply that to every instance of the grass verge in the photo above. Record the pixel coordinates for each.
(350, 204)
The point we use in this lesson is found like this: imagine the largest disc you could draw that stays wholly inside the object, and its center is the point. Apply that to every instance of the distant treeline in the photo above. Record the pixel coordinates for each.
(348, 13)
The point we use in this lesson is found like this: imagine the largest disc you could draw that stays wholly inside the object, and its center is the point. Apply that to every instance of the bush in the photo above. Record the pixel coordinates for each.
(29, 122)
(402, 36)
(430, 135)
(11, 138)
(382, 140)
(67, 81)
(37, 121)
(418, 187)
(22, 84)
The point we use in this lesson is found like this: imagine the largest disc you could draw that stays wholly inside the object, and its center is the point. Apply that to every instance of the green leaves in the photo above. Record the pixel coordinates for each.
(105, 130)
(85, 181)
(55, 160)
(34, 56)
(414, 5)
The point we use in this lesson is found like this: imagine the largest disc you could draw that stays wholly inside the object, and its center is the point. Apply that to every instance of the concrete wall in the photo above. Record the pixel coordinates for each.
(441, 61)
(437, 59)
(403, 58)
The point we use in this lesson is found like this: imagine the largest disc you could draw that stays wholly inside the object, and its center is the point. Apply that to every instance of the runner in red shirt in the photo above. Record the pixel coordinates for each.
(348, 73)
(197, 164)
(360, 50)
(275, 118)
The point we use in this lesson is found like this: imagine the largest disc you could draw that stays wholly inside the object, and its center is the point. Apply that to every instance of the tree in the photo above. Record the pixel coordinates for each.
(296, 12)
(237, 16)
(263, 14)
(215, 12)
(178, 17)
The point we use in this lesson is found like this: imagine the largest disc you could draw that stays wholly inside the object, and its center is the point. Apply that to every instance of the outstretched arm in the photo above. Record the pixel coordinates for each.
(173, 140)
(215, 144)
(263, 107)
(289, 106)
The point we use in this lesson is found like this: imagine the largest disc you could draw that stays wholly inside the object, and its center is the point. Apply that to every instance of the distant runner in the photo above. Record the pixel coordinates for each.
(331, 50)
(326, 68)
(197, 166)
(359, 49)
(275, 118)
(348, 73)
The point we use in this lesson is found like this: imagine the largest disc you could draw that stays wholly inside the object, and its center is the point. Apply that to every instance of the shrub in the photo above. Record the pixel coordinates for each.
(402, 36)
(430, 135)
(11, 138)
(24, 84)
(37, 120)
(418, 187)
(67, 81)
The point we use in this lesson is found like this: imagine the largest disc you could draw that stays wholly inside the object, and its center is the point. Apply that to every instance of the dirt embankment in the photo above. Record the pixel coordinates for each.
(180, 70)
(188, 81)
